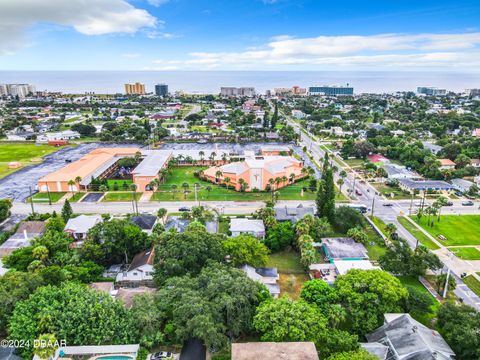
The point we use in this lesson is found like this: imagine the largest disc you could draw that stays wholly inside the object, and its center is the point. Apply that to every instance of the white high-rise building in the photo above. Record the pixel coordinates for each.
(22, 90)
(240, 91)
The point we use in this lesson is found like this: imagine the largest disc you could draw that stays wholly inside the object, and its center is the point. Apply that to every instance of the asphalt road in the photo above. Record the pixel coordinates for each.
(389, 214)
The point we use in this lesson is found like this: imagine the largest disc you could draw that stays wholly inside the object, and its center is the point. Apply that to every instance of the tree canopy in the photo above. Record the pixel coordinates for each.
(246, 249)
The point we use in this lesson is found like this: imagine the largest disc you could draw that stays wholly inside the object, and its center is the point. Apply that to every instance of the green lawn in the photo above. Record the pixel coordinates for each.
(387, 191)
(77, 196)
(287, 261)
(458, 229)
(111, 183)
(180, 175)
(26, 154)
(354, 162)
(375, 244)
(418, 234)
(121, 196)
(43, 196)
(425, 318)
(473, 284)
(291, 272)
(466, 253)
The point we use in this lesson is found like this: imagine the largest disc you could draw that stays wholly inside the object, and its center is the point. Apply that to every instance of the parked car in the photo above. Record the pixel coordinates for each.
(449, 203)
(388, 204)
(358, 193)
(161, 355)
(468, 203)
(184, 208)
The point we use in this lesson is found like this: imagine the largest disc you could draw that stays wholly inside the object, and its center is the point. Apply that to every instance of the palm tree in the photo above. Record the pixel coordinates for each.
(208, 188)
(212, 157)
(243, 184)
(70, 185)
(227, 182)
(77, 181)
(343, 174)
(278, 180)
(161, 213)
(185, 187)
(390, 229)
(180, 157)
(271, 181)
(304, 172)
(224, 157)
(218, 175)
(202, 155)
(188, 159)
(292, 177)
(174, 190)
(284, 179)
(340, 183)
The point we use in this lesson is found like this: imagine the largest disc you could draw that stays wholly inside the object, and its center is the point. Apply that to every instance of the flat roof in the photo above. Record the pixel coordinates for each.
(343, 266)
(88, 164)
(344, 248)
(154, 161)
(426, 185)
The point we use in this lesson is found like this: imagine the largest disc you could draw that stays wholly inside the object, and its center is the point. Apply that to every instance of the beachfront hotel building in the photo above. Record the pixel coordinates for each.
(257, 172)
(135, 89)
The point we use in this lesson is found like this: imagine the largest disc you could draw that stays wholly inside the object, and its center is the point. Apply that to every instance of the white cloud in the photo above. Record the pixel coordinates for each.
(91, 17)
(154, 34)
(130, 55)
(157, 3)
(383, 50)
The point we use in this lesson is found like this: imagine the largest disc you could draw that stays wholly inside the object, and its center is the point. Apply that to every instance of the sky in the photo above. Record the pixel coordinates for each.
(262, 35)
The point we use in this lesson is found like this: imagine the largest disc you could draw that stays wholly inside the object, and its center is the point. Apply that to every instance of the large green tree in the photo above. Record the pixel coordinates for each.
(367, 295)
(460, 326)
(326, 196)
(5, 206)
(288, 320)
(246, 249)
(214, 307)
(401, 259)
(73, 313)
(279, 236)
(353, 355)
(186, 253)
(113, 242)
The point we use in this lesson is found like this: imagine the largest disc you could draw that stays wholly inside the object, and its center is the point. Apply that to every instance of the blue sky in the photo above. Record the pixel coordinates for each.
(239, 35)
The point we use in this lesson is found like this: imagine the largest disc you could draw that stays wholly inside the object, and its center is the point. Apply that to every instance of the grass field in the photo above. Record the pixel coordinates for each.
(387, 191)
(121, 196)
(76, 197)
(26, 154)
(473, 284)
(424, 318)
(292, 274)
(181, 175)
(375, 245)
(418, 234)
(466, 253)
(458, 230)
(43, 197)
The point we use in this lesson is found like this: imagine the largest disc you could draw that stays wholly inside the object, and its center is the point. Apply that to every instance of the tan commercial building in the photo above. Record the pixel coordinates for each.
(135, 89)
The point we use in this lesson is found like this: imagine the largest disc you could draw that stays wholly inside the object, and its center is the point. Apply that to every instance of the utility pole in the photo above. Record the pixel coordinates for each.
(48, 192)
(445, 289)
(31, 200)
(373, 205)
(411, 204)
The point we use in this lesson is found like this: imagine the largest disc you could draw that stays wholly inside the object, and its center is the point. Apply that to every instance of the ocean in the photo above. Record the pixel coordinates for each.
(109, 82)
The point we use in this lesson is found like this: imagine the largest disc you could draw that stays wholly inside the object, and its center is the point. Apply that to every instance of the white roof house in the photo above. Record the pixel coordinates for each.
(343, 266)
(78, 227)
(247, 226)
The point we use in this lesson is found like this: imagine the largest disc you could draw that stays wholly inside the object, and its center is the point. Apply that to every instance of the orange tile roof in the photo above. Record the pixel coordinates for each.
(87, 164)
(446, 162)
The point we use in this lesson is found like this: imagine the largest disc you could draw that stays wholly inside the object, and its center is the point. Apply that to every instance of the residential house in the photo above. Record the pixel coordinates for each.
(434, 149)
(20, 136)
(140, 271)
(274, 351)
(293, 213)
(476, 133)
(437, 185)
(329, 272)
(247, 226)
(145, 222)
(406, 338)
(475, 163)
(462, 185)
(79, 226)
(342, 248)
(266, 276)
(395, 171)
(27, 231)
(446, 164)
